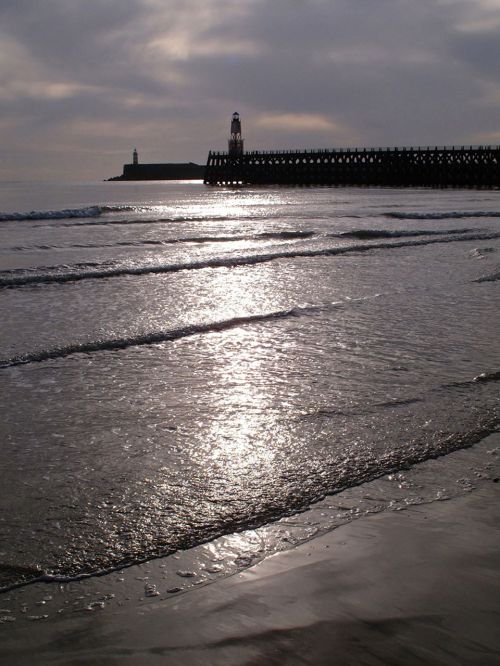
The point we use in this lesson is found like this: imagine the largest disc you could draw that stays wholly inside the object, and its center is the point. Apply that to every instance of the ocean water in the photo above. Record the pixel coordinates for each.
(180, 362)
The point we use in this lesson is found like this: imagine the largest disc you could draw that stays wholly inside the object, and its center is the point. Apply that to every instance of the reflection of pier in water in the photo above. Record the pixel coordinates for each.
(438, 166)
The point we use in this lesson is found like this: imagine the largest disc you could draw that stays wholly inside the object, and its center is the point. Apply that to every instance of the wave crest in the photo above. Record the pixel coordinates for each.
(367, 234)
(494, 277)
(442, 216)
(228, 262)
(66, 213)
(154, 338)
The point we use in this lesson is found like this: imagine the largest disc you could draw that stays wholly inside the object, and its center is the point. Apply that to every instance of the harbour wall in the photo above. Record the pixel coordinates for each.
(167, 171)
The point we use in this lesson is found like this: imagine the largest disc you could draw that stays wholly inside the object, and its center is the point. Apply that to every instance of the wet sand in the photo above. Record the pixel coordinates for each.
(419, 586)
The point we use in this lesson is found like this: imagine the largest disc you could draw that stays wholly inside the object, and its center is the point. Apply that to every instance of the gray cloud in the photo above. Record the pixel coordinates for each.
(83, 81)
(480, 50)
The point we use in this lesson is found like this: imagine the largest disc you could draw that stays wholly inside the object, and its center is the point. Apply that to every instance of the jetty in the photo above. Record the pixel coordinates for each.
(160, 171)
(430, 166)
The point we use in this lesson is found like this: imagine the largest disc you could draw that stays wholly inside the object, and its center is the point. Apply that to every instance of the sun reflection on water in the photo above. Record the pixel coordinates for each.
(237, 446)
(240, 439)
(231, 204)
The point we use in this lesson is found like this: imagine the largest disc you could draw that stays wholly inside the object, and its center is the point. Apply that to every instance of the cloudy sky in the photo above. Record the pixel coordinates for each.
(84, 81)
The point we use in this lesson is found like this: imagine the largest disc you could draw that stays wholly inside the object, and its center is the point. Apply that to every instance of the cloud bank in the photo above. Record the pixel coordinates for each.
(84, 81)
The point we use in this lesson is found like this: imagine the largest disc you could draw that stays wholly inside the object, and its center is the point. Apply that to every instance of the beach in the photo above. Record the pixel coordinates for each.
(419, 586)
(248, 426)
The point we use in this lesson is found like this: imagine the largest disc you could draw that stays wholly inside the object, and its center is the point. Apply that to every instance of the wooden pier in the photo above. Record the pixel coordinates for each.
(434, 166)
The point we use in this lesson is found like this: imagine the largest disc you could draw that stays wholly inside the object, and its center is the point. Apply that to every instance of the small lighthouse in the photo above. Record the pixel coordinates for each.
(235, 141)
(135, 157)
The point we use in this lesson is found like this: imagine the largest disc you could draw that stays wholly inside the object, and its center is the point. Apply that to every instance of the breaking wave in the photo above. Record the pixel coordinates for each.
(268, 235)
(494, 277)
(443, 216)
(96, 216)
(367, 234)
(227, 262)
(89, 211)
(169, 220)
(485, 377)
(154, 338)
(481, 252)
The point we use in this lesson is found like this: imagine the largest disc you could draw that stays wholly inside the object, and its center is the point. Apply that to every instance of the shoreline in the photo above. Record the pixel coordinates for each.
(414, 586)
(444, 477)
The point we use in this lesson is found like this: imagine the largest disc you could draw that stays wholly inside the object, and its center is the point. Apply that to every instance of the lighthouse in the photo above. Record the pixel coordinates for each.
(135, 157)
(235, 144)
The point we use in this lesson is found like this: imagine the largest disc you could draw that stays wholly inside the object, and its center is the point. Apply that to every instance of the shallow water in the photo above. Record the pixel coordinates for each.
(180, 362)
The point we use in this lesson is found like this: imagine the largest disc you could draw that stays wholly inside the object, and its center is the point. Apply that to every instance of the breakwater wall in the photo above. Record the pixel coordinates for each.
(167, 171)
(438, 166)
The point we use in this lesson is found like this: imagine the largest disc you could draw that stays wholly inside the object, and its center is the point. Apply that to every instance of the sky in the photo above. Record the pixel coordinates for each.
(83, 82)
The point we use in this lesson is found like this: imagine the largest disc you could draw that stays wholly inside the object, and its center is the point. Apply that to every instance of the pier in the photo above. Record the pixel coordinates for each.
(432, 166)
(167, 171)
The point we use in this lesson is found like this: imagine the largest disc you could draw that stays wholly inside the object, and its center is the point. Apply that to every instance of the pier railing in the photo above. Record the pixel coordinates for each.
(306, 151)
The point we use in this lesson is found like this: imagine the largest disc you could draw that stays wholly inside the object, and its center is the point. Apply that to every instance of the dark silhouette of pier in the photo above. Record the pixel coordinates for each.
(167, 171)
(434, 166)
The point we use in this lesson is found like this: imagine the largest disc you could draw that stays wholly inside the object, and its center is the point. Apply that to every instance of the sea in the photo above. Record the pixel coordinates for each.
(182, 363)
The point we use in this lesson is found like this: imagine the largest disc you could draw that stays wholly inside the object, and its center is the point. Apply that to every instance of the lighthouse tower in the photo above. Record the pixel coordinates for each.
(235, 141)
(135, 157)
